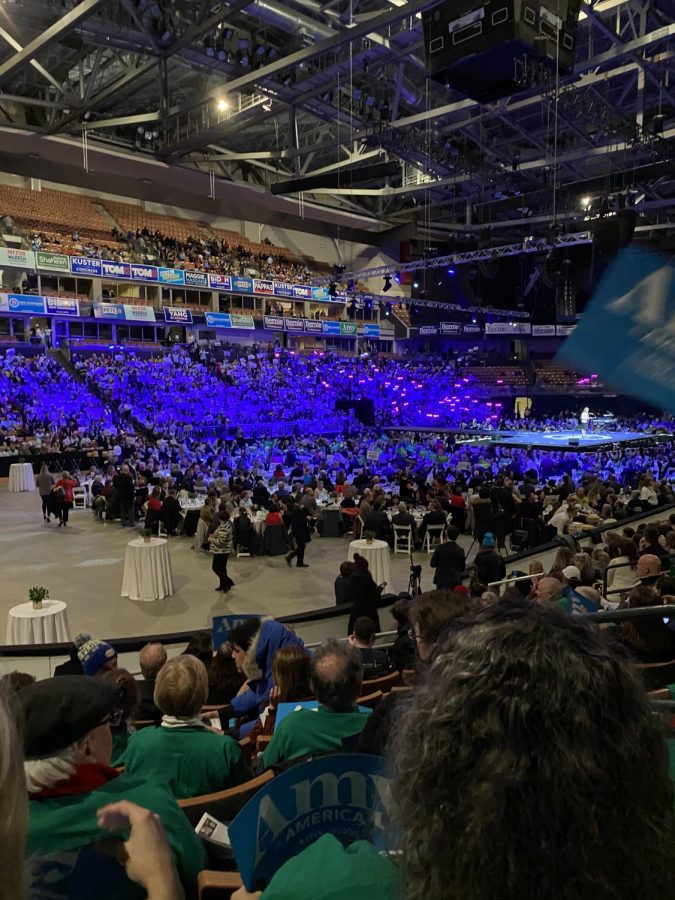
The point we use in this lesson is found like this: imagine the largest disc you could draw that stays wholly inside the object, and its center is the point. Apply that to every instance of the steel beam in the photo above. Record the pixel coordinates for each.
(57, 30)
(15, 45)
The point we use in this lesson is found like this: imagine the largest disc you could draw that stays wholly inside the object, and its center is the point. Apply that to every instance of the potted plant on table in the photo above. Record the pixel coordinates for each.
(147, 535)
(369, 536)
(36, 595)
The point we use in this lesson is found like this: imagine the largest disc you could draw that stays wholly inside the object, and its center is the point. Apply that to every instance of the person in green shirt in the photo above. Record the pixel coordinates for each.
(67, 748)
(182, 753)
(336, 678)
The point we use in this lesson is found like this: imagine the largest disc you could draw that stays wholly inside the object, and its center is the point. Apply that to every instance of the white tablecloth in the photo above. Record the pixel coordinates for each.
(48, 625)
(147, 570)
(377, 555)
(21, 478)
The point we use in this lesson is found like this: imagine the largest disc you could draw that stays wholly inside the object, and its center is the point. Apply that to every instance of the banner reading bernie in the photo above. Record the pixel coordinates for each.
(627, 333)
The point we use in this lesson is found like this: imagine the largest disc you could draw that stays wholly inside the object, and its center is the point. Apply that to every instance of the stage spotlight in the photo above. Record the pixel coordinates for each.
(585, 202)
(387, 284)
(416, 283)
(223, 104)
(397, 277)
(474, 320)
(451, 271)
(387, 309)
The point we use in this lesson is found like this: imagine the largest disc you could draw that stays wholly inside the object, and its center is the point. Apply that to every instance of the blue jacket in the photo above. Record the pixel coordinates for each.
(272, 637)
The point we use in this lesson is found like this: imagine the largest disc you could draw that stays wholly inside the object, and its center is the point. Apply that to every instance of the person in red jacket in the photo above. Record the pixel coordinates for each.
(63, 489)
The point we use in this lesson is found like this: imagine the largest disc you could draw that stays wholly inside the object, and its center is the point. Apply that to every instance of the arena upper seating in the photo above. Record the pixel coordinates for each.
(67, 210)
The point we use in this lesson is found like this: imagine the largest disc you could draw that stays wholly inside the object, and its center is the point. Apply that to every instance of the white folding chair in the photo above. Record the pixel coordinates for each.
(79, 498)
(432, 537)
(359, 525)
(241, 552)
(403, 539)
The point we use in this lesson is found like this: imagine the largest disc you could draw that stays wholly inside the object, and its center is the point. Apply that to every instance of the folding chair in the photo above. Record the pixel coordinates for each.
(79, 498)
(432, 537)
(403, 539)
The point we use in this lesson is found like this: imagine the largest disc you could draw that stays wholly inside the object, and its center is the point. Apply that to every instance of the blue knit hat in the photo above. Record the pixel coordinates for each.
(488, 539)
(93, 654)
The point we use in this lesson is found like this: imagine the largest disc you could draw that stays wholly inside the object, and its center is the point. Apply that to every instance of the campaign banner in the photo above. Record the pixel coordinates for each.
(171, 276)
(471, 328)
(62, 306)
(53, 262)
(108, 311)
(428, 329)
(313, 326)
(221, 626)
(371, 331)
(242, 321)
(273, 323)
(242, 285)
(543, 331)
(263, 286)
(302, 292)
(283, 289)
(177, 315)
(218, 320)
(331, 327)
(346, 795)
(320, 293)
(564, 330)
(26, 303)
(223, 282)
(348, 328)
(9, 256)
(196, 279)
(111, 269)
(141, 272)
(624, 335)
(291, 324)
(507, 328)
(84, 265)
(451, 328)
(133, 313)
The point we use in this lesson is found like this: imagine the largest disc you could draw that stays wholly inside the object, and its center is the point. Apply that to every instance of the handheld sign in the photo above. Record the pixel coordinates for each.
(222, 626)
(626, 333)
(346, 795)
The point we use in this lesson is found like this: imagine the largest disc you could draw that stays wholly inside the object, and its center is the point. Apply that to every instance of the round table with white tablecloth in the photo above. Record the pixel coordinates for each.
(21, 478)
(377, 554)
(147, 570)
(48, 625)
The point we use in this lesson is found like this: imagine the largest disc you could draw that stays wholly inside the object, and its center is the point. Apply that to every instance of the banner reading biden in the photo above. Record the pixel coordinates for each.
(627, 333)
(346, 796)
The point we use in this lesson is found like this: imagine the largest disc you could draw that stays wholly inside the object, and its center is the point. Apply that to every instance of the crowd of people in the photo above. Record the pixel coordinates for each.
(512, 724)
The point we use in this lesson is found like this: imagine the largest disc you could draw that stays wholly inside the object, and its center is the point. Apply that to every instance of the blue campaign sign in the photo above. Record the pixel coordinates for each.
(219, 320)
(196, 279)
(371, 331)
(110, 269)
(178, 315)
(347, 796)
(320, 293)
(331, 327)
(242, 285)
(140, 272)
(171, 276)
(26, 303)
(283, 289)
(624, 334)
(221, 627)
(83, 265)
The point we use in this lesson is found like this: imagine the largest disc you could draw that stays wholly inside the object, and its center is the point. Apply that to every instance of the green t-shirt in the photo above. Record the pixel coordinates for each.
(120, 739)
(328, 871)
(190, 761)
(65, 823)
(308, 731)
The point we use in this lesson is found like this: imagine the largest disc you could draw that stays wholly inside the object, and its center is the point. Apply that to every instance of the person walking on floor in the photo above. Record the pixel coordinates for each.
(63, 491)
(221, 547)
(45, 486)
(300, 534)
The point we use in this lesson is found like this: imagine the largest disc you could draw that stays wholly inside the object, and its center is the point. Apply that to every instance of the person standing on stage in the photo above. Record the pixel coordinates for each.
(583, 420)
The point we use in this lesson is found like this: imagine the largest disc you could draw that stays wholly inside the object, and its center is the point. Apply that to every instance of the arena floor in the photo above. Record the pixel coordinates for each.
(83, 566)
(561, 440)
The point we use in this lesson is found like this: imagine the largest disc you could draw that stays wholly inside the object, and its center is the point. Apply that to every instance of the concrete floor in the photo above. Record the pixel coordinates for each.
(83, 566)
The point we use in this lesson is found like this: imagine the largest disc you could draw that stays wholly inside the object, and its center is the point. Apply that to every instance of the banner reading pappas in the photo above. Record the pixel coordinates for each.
(624, 335)
(346, 795)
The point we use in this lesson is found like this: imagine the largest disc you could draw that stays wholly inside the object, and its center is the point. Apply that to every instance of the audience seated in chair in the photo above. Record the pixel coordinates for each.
(183, 752)
(375, 663)
(291, 683)
(336, 677)
(151, 659)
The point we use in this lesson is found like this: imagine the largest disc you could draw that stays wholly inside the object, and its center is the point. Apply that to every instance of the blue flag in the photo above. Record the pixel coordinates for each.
(627, 333)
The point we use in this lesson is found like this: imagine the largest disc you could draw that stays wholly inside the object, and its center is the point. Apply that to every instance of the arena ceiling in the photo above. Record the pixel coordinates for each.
(264, 91)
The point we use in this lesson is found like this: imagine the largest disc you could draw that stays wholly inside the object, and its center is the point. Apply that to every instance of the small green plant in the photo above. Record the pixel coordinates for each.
(368, 536)
(147, 534)
(36, 595)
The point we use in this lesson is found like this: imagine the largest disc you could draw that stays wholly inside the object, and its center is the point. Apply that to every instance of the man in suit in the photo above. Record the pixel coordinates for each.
(403, 518)
(260, 495)
(124, 484)
(151, 658)
(378, 522)
(301, 537)
(171, 512)
(448, 560)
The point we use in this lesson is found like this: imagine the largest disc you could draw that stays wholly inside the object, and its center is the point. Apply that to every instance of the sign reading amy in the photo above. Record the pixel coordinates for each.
(221, 626)
(346, 796)
(627, 333)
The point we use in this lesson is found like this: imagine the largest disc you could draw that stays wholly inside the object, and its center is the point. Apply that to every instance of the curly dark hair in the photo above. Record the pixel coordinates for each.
(530, 766)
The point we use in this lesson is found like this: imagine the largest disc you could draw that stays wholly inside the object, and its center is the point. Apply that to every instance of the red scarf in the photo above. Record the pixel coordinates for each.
(86, 778)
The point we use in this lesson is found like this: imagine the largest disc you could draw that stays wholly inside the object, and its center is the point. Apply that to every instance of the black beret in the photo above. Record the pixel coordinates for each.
(60, 711)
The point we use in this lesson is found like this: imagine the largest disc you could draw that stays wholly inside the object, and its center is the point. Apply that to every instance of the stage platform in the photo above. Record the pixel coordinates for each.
(563, 440)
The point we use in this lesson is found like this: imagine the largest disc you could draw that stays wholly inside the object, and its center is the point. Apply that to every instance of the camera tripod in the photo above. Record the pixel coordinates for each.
(415, 580)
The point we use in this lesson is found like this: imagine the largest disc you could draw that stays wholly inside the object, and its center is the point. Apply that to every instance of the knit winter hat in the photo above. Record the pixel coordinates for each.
(93, 654)
(488, 539)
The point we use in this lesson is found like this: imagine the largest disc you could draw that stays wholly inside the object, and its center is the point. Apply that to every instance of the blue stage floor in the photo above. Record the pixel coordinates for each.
(564, 440)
